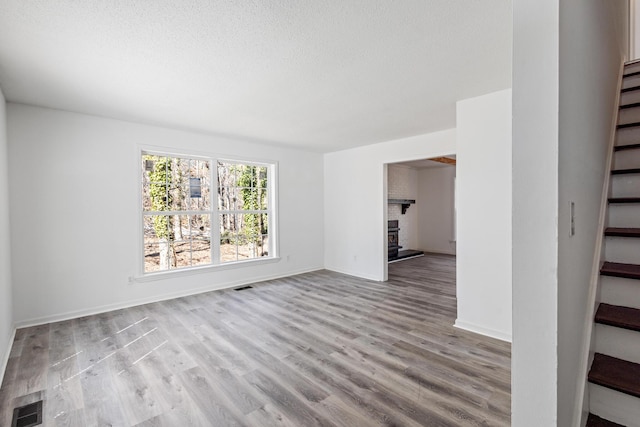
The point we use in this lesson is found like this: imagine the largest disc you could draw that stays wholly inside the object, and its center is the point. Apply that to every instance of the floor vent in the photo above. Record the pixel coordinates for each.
(28, 415)
(242, 288)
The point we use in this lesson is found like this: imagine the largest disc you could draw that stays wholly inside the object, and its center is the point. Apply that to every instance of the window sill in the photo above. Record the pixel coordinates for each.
(152, 277)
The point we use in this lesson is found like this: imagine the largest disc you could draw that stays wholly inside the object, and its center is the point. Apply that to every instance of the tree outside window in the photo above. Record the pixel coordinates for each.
(179, 218)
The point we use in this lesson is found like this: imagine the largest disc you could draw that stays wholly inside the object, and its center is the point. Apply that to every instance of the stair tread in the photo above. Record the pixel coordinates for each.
(625, 171)
(624, 200)
(631, 105)
(628, 125)
(616, 269)
(618, 316)
(630, 89)
(628, 146)
(622, 232)
(596, 421)
(616, 374)
(635, 73)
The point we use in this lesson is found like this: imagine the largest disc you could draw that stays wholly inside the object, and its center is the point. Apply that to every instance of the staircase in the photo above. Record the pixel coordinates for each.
(614, 377)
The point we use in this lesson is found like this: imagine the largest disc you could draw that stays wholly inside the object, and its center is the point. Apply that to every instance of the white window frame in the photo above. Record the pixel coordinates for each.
(214, 212)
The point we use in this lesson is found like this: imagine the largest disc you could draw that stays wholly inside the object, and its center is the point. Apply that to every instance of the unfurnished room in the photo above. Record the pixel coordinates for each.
(334, 213)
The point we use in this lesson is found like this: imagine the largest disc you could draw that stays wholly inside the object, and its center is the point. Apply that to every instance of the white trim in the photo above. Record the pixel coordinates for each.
(355, 274)
(205, 155)
(187, 212)
(140, 218)
(272, 212)
(214, 249)
(596, 263)
(274, 222)
(5, 359)
(385, 221)
(189, 271)
(632, 30)
(172, 295)
(470, 327)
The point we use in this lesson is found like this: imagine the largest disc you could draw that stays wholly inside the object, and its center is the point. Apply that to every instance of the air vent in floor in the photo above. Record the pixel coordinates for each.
(28, 415)
(242, 288)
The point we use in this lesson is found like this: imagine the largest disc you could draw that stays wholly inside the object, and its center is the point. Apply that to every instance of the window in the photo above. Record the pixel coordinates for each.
(242, 210)
(203, 211)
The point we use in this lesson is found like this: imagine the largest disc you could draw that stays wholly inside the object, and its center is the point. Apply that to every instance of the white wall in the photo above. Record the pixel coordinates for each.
(535, 213)
(6, 310)
(355, 196)
(402, 183)
(592, 45)
(483, 268)
(566, 56)
(73, 198)
(436, 210)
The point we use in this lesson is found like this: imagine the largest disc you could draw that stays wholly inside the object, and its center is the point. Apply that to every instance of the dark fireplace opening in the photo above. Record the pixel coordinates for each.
(393, 246)
(394, 252)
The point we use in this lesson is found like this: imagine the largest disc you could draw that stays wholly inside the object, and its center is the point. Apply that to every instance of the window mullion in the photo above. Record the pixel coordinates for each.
(154, 213)
(215, 213)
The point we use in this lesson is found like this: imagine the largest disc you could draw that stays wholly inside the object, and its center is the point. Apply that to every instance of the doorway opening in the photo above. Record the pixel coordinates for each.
(420, 208)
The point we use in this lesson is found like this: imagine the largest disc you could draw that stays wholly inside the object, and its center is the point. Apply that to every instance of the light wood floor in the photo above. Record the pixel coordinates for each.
(315, 349)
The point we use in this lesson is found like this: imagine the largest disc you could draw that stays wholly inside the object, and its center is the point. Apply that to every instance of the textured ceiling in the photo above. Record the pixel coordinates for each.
(322, 75)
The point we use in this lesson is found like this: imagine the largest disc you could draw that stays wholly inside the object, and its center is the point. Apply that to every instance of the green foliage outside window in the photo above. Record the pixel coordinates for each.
(161, 198)
(253, 189)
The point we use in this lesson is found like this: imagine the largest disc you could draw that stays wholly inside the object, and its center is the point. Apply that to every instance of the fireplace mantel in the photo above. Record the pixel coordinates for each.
(405, 203)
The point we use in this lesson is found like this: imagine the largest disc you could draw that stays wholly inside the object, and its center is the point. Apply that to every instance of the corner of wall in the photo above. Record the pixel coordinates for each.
(7, 325)
(4, 362)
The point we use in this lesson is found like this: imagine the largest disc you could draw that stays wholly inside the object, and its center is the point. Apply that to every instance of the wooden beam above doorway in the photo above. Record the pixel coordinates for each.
(445, 160)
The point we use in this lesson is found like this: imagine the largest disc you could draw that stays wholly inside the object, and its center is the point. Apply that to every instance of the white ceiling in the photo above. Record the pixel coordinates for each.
(322, 75)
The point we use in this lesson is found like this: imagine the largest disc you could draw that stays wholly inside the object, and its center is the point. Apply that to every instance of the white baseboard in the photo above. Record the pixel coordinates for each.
(354, 274)
(502, 336)
(5, 359)
(157, 298)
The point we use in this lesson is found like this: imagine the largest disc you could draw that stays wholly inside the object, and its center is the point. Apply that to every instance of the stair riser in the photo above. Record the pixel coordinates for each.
(630, 81)
(629, 115)
(624, 215)
(625, 185)
(629, 97)
(628, 135)
(625, 250)
(632, 68)
(617, 342)
(626, 159)
(620, 291)
(614, 406)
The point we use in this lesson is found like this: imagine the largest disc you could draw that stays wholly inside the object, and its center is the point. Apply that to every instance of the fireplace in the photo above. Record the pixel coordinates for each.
(393, 245)
(395, 254)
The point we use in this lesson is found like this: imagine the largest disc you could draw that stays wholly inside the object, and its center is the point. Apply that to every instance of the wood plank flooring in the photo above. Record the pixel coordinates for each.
(315, 349)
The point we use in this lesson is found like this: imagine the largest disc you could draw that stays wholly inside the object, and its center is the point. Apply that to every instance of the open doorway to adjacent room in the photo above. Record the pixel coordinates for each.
(421, 208)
